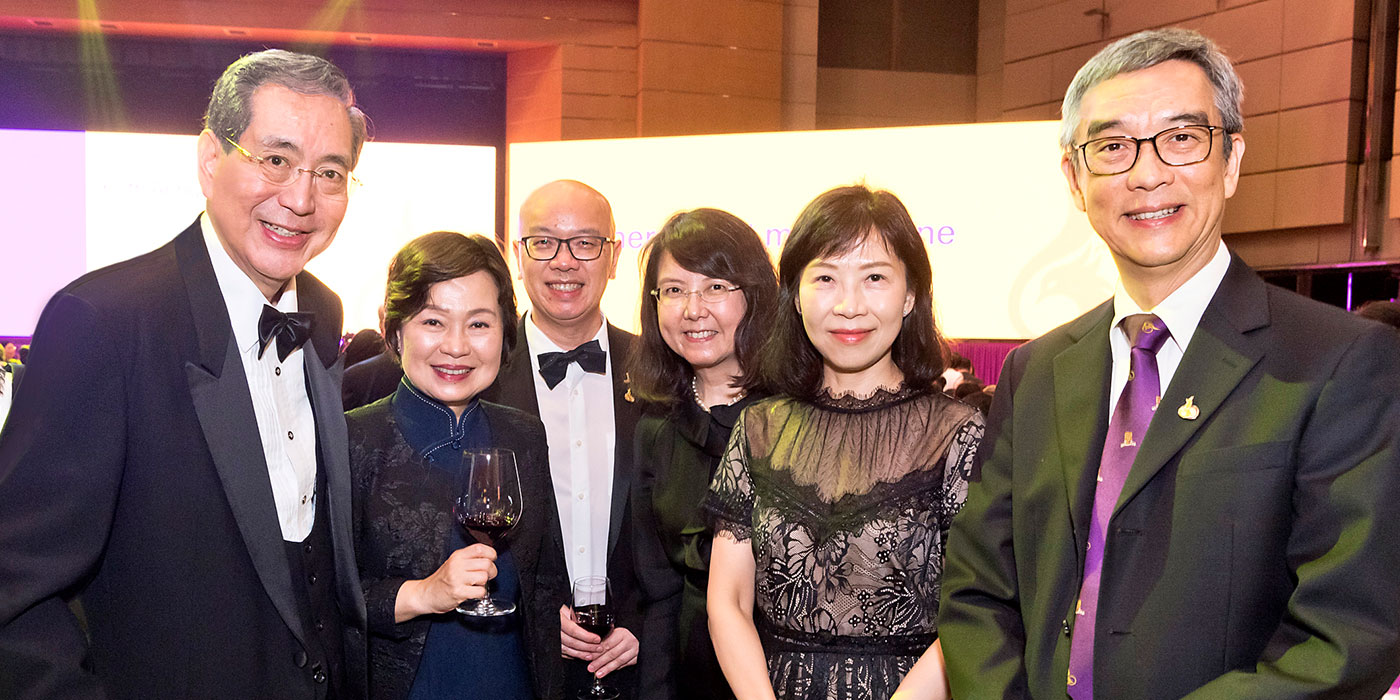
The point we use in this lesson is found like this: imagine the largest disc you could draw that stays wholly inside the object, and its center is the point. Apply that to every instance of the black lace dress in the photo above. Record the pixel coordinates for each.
(847, 503)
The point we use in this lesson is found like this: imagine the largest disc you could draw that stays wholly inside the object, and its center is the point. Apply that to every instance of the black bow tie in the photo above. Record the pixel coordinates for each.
(291, 330)
(589, 356)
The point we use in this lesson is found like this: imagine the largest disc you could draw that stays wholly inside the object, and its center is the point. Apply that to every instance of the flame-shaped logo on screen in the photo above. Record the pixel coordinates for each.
(1062, 279)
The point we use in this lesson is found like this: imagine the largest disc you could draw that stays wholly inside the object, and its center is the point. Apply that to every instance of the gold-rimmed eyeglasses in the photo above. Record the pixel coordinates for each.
(712, 293)
(280, 170)
(1177, 146)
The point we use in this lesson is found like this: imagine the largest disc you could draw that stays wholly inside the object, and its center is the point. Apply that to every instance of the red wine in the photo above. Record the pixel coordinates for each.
(489, 525)
(597, 619)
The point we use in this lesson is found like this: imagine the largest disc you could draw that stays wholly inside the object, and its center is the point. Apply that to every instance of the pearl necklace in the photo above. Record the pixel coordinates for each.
(695, 389)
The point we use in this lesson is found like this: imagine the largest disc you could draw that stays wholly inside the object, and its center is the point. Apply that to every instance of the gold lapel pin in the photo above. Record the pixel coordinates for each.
(1189, 410)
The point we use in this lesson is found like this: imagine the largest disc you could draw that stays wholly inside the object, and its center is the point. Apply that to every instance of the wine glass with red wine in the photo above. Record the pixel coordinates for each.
(593, 612)
(488, 505)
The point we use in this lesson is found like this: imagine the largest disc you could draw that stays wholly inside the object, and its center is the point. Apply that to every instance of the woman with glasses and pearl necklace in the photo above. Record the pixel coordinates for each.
(709, 302)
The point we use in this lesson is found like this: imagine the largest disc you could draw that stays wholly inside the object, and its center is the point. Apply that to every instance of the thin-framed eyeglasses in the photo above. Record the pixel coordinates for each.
(710, 294)
(583, 248)
(1177, 146)
(277, 169)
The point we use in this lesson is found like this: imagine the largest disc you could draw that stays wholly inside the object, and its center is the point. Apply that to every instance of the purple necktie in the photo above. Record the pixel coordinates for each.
(1126, 429)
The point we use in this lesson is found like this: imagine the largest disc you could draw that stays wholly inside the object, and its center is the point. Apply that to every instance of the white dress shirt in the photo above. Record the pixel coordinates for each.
(286, 425)
(578, 420)
(1181, 311)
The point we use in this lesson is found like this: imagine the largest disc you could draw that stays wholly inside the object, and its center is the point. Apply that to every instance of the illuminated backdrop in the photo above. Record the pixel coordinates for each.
(91, 199)
(1012, 257)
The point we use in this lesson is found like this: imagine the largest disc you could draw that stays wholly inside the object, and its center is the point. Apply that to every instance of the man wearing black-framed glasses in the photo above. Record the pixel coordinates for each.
(568, 368)
(1201, 494)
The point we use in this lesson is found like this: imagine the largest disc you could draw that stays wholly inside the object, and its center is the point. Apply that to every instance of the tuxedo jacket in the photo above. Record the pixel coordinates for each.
(1253, 551)
(132, 476)
(515, 387)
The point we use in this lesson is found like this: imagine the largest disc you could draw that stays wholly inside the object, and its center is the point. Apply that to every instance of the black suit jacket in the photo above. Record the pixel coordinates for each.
(369, 381)
(131, 474)
(515, 387)
(1253, 551)
(395, 489)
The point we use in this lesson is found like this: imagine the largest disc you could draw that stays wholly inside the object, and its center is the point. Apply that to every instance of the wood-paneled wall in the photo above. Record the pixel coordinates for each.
(1303, 63)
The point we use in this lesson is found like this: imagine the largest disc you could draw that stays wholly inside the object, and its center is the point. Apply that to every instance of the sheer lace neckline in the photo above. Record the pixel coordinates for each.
(851, 403)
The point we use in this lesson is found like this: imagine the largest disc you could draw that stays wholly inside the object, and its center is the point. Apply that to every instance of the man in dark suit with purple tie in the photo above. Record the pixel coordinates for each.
(1192, 490)
(176, 459)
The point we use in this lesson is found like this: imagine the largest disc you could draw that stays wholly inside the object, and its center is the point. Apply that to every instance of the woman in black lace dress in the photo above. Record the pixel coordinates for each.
(833, 501)
(709, 303)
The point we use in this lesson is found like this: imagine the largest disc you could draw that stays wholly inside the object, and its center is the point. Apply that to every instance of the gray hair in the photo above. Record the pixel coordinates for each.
(1145, 50)
(230, 108)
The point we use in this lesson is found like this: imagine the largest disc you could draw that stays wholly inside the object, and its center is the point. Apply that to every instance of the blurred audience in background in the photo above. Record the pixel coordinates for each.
(361, 346)
(369, 377)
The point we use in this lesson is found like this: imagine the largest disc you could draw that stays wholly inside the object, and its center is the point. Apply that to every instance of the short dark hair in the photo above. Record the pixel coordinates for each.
(968, 386)
(716, 244)
(366, 343)
(835, 222)
(438, 257)
(979, 400)
(958, 361)
(230, 109)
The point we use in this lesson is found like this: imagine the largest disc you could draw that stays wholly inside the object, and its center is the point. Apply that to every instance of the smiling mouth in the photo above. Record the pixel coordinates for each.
(850, 336)
(701, 335)
(453, 372)
(565, 286)
(283, 232)
(1159, 214)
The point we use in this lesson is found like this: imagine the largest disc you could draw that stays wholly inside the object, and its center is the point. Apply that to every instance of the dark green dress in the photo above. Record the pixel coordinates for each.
(676, 456)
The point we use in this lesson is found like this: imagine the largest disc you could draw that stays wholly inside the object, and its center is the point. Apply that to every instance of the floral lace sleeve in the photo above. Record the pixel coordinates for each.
(729, 506)
(957, 468)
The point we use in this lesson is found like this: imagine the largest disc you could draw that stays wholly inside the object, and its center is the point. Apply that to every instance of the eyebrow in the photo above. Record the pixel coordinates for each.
(864, 266)
(281, 144)
(545, 230)
(471, 312)
(1098, 127)
(678, 281)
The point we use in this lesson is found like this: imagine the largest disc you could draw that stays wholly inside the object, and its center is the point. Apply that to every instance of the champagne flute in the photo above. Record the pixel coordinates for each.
(593, 612)
(488, 505)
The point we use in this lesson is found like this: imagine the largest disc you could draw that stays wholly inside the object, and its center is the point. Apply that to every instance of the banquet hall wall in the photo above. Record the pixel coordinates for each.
(621, 68)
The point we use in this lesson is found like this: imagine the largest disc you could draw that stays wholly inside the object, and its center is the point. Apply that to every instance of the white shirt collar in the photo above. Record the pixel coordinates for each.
(241, 296)
(538, 343)
(1181, 311)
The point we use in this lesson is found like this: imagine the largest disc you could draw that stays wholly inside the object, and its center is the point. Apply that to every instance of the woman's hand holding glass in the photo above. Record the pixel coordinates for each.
(462, 577)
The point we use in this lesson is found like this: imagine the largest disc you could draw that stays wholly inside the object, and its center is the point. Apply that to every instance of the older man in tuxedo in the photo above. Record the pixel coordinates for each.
(176, 457)
(1192, 490)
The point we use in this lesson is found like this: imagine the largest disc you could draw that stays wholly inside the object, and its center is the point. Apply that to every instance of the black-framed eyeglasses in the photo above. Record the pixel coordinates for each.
(277, 169)
(583, 248)
(1177, 146)
(713, 293)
